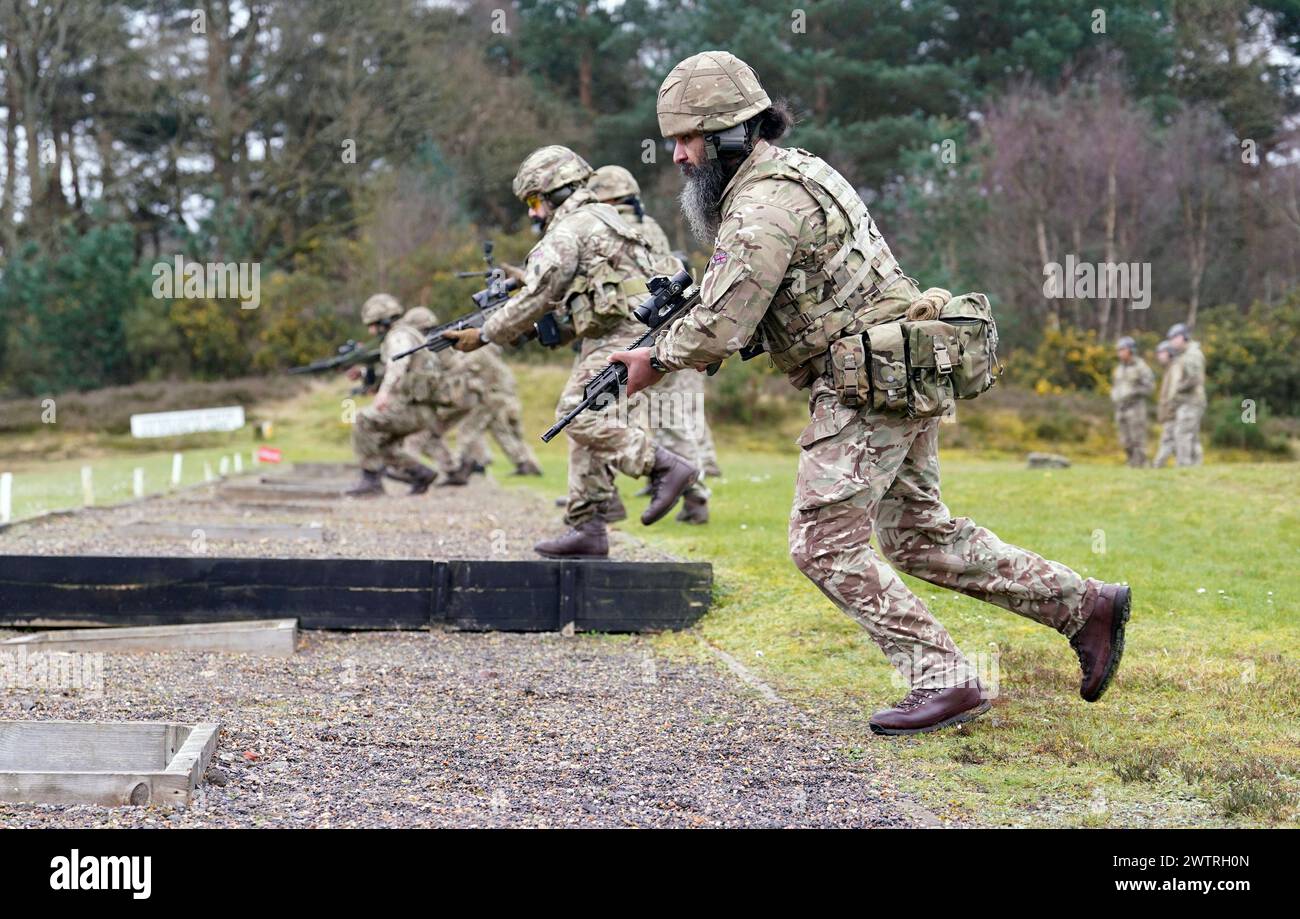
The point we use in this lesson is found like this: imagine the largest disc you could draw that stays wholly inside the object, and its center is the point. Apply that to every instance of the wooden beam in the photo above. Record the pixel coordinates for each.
(269, 638)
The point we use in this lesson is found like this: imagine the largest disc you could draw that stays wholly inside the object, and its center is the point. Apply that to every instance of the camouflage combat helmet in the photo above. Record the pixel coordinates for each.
(421, 317)
(710, 91)
(613, 183)
(1166, 346)
(547, 169)
(1126, 342)
(380, 308)
(1179, 328)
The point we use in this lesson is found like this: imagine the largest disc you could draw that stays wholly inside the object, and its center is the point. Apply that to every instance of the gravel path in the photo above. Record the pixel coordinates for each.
(473, 730)
(479, 520)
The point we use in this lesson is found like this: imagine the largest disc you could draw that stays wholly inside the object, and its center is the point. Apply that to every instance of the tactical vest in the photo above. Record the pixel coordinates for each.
(842, 295)
(421, 380)
(604, 296)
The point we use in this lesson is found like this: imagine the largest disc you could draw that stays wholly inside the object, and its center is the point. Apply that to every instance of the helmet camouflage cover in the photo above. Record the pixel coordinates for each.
(380, 308)
(612, 183)
(1126, 342)
(707, 92)
(547, 169)
(421, 317)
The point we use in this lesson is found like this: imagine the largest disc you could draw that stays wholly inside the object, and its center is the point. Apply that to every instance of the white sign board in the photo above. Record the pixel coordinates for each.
(170, 424)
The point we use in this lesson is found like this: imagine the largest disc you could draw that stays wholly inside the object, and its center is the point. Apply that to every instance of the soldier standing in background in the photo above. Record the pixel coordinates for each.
(589, 271)
(797, 265)
(675, 406)
(496, 410)
(1131, 384)
(1165, 403)
(1189, 396)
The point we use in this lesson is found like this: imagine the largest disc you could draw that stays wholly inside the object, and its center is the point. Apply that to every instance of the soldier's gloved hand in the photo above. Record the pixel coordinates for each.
(514, 271)
(640, 374)
(354, 373)
(464, 339)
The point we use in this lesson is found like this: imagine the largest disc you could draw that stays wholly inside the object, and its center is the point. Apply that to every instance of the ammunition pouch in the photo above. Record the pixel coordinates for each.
(602, 299)
(917, 368)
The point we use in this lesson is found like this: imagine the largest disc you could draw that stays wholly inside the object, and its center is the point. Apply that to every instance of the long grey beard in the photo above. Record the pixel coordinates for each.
(701, 198)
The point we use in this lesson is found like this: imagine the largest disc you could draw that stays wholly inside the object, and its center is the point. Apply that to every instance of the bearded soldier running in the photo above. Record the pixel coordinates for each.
(590, 270)
(800, 270)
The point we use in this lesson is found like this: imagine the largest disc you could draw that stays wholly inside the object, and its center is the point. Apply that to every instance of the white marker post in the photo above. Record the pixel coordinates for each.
(207, 471)
(239, 463)
(223, 466)
(137, 482)
(6, 497)
(87, 487)
(176, 470)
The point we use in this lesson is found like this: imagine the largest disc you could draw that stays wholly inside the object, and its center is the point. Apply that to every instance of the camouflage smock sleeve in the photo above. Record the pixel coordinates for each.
(399, 338)
(755, 246)
(548, 275)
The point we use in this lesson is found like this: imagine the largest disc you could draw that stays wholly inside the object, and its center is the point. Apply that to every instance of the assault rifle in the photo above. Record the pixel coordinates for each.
(488, 300)
(670, 298)
(349, 354)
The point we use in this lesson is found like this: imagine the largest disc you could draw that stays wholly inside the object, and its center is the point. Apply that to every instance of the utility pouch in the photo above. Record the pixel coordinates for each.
(977, 367)
(851, 371)
(932, 353)
(886, 346)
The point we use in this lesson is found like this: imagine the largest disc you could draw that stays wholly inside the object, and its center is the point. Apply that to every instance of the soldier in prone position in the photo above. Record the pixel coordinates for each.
(799, 268)
(590, 269)
(1131, 385)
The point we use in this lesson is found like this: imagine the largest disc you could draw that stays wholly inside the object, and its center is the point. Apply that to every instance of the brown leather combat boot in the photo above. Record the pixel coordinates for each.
(527, 467)
(370, 486)
(669, 477)
(1100, 643)
(587, 540)
(694, 510)
(924, 710)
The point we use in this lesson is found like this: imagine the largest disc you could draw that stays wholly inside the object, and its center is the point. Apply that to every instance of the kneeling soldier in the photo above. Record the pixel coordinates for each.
(591, 268)
(412, 396)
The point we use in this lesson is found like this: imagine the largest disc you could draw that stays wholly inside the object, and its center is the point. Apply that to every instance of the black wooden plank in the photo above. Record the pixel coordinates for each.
(513, 596)
(532, 595)
(644, 596)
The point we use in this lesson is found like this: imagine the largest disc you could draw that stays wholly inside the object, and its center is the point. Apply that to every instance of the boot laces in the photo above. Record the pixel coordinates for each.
(917, 697)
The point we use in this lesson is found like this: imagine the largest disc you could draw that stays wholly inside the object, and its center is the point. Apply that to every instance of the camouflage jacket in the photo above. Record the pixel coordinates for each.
(418, 378)
(582, 236)
(1191, 382)
(1169, 384)
(1131, 382)
(788, 269)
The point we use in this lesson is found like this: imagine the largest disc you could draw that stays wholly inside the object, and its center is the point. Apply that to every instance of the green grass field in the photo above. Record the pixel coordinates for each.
(1198, 728)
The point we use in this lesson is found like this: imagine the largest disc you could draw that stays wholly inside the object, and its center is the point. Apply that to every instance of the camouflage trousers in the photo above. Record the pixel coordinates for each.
(498, 415)
(1131, 422)
(674, 414)
(604, 442)
(861, 471)
(378, 436)
(1180, 438)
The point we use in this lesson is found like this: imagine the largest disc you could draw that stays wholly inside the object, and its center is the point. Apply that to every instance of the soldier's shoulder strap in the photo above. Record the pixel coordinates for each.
(606, 214)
